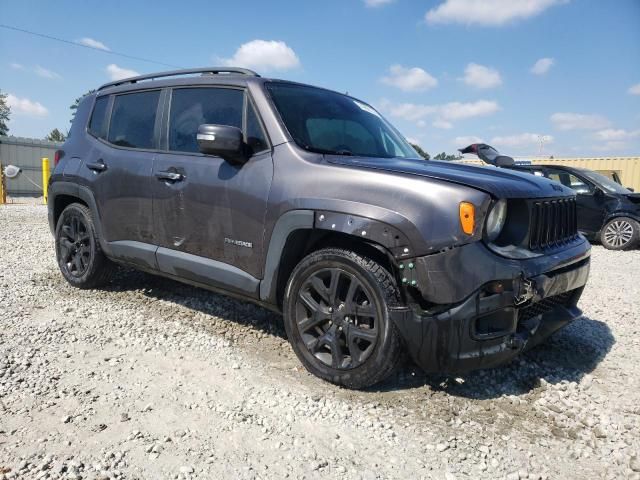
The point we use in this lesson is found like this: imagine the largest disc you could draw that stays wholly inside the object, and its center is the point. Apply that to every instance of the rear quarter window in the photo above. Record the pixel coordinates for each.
(98, 121)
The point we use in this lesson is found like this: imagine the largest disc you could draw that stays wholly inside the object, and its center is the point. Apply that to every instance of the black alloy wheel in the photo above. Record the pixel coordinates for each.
(337, 314)
(337, 318)
(76, 251)
(80, 257)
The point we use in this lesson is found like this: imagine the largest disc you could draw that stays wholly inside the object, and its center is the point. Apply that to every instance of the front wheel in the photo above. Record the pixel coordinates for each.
(621, 233)
(336, 313)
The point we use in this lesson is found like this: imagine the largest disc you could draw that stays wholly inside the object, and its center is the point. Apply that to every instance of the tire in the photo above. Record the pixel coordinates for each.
(80, 258)
(336, 314)
(620, 233)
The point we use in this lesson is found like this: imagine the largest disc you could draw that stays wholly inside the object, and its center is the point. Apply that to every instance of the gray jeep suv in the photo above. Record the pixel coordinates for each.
(310, 203)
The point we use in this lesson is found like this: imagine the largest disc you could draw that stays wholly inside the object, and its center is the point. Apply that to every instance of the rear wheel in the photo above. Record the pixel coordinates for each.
(621, 233)
(80, 258)
(336, 312)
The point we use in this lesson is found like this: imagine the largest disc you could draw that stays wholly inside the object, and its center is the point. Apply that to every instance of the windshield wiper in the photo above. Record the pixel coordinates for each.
(343, 152)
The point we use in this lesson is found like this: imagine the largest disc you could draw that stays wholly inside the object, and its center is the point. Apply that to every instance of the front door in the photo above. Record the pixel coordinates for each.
(589, 204)
(209, 214)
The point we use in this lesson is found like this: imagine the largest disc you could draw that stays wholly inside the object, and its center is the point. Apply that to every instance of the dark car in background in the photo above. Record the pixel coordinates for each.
(607, 211)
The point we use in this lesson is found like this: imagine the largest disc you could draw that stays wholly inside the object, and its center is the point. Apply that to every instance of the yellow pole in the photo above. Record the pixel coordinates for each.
(45, 177)
(3, 190)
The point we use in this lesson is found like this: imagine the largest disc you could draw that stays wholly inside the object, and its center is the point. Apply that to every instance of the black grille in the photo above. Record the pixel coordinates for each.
(553, 222)
(544, 306)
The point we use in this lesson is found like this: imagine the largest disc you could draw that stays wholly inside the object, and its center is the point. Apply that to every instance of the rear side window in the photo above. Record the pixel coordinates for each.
(192, 107)
(133, 119)
(98, 122)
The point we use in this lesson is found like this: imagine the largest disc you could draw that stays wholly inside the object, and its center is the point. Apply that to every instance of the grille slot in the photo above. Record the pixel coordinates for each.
(544, 306)
(553, 222)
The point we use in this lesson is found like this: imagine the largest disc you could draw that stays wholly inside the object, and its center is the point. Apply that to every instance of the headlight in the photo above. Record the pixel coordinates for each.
(496, 219)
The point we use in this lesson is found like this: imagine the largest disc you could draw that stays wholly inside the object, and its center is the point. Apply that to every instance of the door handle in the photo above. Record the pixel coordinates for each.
(169, 176)
(98, 166)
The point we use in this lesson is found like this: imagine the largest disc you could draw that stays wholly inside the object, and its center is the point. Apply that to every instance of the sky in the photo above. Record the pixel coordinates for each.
(557, 77)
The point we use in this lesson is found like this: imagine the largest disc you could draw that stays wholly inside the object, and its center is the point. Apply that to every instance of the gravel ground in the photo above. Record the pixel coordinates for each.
(153, 379)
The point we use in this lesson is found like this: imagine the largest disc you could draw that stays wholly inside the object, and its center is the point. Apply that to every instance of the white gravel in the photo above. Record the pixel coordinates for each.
(153, 379)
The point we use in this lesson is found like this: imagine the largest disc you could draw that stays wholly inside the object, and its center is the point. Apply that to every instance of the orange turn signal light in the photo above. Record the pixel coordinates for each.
(467, 217)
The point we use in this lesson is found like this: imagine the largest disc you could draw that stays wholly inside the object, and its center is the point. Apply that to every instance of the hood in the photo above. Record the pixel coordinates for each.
(501, 183)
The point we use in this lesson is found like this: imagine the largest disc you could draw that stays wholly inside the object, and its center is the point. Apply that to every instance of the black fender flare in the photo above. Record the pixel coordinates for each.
(81, 193)
(374, 232)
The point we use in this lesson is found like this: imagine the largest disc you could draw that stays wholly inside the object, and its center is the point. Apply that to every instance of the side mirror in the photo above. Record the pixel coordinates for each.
(598, 192)
(223, 141)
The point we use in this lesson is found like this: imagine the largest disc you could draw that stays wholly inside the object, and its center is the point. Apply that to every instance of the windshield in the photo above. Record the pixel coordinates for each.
(605, 182)
(327, 122)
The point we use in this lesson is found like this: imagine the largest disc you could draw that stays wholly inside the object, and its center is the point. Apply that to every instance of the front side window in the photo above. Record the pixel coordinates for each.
(329, 122)
(133, 119)
(569, 180)
(192, 107)
(98, 122)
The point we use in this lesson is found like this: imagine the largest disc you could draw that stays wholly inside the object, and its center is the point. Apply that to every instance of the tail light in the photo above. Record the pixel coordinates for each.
(57, 157)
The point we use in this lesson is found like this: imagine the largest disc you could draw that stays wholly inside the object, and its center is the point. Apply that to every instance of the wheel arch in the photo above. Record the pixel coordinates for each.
(301, 232)
(62, 194)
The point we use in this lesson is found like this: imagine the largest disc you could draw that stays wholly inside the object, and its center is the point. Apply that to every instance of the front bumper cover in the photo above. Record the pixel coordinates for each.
(491, 327)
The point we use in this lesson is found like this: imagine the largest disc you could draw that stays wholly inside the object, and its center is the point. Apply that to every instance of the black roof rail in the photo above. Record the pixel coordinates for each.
(185, 71)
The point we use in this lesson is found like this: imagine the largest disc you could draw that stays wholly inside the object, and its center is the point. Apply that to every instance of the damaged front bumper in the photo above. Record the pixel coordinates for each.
(516, 305)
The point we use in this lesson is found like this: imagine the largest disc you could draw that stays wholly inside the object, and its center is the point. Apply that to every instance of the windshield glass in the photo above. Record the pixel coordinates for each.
(327, 122)
(605, 182)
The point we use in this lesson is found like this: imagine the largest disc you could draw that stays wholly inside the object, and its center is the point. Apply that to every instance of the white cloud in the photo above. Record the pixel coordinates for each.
(90, 42)
(440, 123)
(542, 66)
(16, 66)
(611, 146)
(521, 140)
(466, 140)
(377, 3)
(408, 111)
(43, 72)
(579, 121)
(118, 73)
(459, 111)
(487, 12)
(24, 106)
(480, 76)
(264, 55)
(634, 89)
(612, 134)
(409, 79)
(445, 114)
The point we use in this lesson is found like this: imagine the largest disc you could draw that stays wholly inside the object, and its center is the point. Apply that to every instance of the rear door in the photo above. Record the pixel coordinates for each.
(209, 214)
(119, 168)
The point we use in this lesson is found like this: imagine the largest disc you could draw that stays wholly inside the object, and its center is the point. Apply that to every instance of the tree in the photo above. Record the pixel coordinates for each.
(74, 107)
(56, 135)
(420, 151)
(5, 113)
(446, 156)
